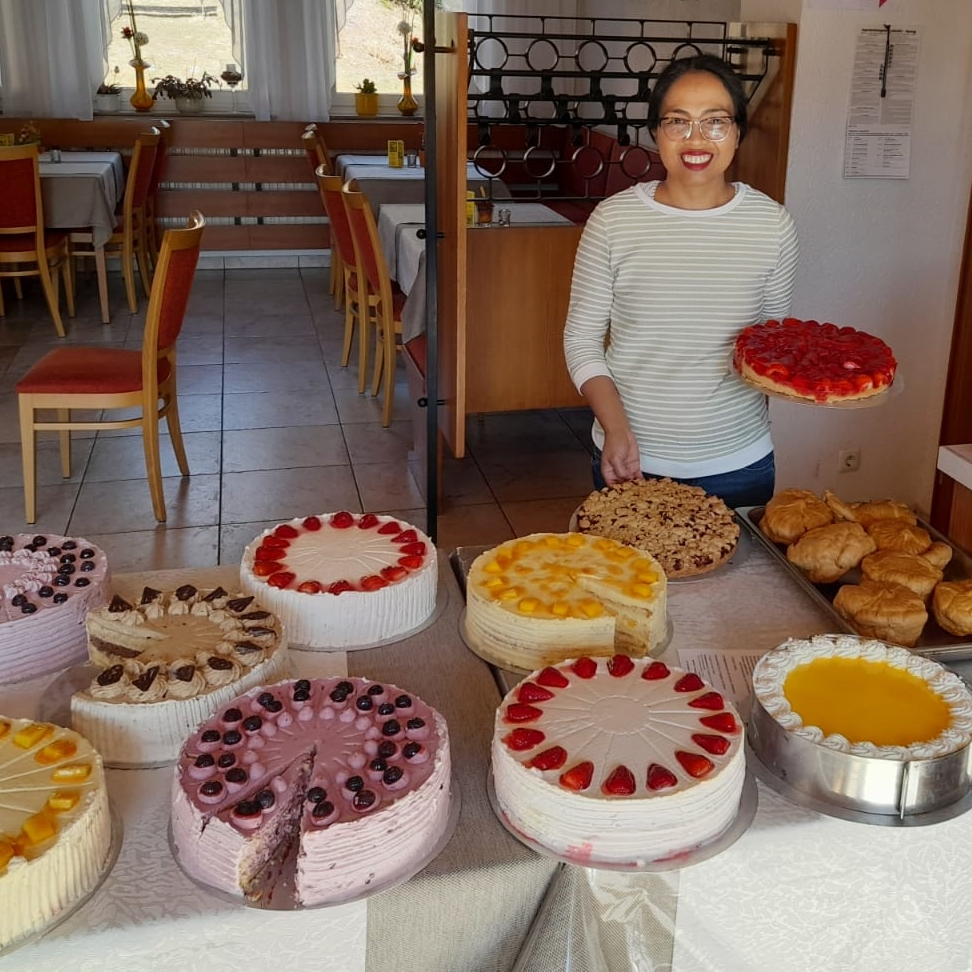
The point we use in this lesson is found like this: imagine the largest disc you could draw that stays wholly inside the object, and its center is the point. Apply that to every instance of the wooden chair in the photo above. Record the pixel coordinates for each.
(26, 248)
(321, 151)
(99, 377)
(359, 304)
(318, 157)
(152, 227)
(388, 297)
(130, 237)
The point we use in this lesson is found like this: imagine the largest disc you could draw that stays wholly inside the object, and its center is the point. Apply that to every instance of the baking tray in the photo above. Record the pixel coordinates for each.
(935, 642)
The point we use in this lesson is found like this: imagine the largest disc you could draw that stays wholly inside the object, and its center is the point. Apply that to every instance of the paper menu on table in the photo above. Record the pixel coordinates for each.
(728, 672)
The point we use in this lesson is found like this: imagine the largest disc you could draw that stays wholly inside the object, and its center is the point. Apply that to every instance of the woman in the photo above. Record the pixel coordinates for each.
(666, 275)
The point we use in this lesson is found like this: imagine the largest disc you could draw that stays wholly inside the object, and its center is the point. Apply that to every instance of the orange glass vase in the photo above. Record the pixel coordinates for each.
(141, 100)
(407, 105)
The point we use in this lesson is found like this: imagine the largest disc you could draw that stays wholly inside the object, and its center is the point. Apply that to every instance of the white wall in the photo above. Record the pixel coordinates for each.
(881, 255)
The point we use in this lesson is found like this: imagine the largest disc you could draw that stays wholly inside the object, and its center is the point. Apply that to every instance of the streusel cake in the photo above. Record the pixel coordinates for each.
(687, 530)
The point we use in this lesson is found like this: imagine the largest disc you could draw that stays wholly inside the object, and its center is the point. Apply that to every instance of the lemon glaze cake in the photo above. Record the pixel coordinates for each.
(539, 599)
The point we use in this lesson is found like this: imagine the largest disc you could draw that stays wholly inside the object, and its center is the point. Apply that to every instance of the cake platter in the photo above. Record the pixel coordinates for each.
(802, 799)
(282, 896)
(114, 847)
(892, 391)
(748, 801)
(483, 650)
(738, 557)
(441, 602)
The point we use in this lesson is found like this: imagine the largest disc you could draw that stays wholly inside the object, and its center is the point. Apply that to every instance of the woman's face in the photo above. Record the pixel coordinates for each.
(695, 162)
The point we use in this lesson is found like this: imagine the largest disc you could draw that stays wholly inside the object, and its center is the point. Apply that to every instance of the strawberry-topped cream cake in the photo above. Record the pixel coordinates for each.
(343, 580)
(617, 761)
(821, 363)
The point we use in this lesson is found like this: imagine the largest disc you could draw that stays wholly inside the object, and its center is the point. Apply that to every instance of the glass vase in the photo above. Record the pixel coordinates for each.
(141, 100)
(407, 105)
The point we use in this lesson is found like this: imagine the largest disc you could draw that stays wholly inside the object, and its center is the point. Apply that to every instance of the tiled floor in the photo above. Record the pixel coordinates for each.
(274, 428)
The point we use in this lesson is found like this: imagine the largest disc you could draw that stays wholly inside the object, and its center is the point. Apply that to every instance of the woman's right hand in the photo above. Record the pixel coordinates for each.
(620, 459)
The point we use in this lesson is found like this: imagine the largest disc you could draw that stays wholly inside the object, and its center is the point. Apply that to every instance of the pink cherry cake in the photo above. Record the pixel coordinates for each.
(343, 782)
(617, 761)
(343, 580)
(48, 584)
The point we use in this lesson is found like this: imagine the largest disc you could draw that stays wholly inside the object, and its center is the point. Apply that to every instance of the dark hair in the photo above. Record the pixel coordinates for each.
(709, 64)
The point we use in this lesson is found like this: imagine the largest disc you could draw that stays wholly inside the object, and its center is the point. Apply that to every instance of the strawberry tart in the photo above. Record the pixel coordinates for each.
(342, 782)
(815, 362)
(343, 580)
(166, 662)
(48, 584)
(55, 825)
(617, 761)
(539, 599)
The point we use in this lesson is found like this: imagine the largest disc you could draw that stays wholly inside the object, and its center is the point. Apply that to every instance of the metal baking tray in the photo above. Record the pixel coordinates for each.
(934, 642)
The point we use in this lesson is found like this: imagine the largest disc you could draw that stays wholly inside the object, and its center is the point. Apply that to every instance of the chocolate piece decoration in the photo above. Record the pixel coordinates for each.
(259, 632)
(144, 681)
(149, 594)
(239, 604)
(110, 675)
(247, 648)
(254, 615)
(219, 664)
(118, 604)
(184, 673)
(215, 594)
(185, 592)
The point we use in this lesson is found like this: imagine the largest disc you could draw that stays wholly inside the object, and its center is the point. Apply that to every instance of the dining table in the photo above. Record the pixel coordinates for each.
(383, 183)
(404, 249)
(81, 190)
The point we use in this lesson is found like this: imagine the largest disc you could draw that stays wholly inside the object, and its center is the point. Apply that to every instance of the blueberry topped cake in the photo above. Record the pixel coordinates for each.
(344, 779)
(48, 583)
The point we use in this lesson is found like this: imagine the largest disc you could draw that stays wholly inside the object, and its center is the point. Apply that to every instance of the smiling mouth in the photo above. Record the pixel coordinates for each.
(696, 158)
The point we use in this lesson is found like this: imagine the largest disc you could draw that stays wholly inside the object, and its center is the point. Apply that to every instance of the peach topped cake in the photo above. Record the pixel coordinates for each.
(343, 580)
(540, 598)
(821, 363)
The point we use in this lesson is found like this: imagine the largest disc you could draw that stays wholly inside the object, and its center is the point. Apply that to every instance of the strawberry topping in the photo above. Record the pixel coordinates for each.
(717, 745)
(621, 782)
(312, 523)
(406, 536)
(553, 678)
(655, 671)
(521, 739)
(270, 540)
(264, 568)
(520, 712)
(373, 582)
(391, 527)
(339, 587)
(549, 759)
(689, 682)
(531, 692)
(368, 522)
(722, 722)
(416, 549)
(711, 700)
(412, 562)
(620, 665)
(660, 777)
(285, 531)
(695, 764)
(578, 777)
(267, 553)
(584, 667)
(282, 578)
(342, 520)
(310, 587)
(392, 574)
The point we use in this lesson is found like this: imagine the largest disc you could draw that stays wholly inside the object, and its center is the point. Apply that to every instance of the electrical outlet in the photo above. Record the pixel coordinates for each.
(848, 460)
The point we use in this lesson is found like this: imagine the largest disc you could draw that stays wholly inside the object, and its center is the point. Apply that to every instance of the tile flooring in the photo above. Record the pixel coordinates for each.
(274, 428)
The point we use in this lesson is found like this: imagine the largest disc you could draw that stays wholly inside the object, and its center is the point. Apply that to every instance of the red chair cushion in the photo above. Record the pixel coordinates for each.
(25, 242)
(87, 371)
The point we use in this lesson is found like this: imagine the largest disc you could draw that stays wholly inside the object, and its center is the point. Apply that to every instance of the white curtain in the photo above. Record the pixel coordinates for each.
(288, 50)
(52, 53)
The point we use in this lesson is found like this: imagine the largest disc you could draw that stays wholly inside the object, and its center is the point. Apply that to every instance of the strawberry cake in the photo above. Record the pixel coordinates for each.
(166, 661)
(48, 584)
(617, 761)
(342, 782)
(55, 825)
(816, 362)
(343, 580)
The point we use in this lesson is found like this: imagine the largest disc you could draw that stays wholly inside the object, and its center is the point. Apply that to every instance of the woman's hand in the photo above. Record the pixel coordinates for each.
(620, 459)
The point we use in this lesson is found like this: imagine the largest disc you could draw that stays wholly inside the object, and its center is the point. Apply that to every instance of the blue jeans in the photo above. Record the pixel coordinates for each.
(750, 486)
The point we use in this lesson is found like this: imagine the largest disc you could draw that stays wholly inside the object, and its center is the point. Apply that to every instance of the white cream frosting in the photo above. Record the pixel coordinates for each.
(611, 721)
(771, 671)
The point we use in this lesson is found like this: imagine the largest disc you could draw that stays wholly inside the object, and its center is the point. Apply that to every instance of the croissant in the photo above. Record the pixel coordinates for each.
(888, 612)
(826, 553)
(791, 512)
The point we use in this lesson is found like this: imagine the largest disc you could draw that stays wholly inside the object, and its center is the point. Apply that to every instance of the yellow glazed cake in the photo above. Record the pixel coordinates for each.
(539, 599)
(55, 826)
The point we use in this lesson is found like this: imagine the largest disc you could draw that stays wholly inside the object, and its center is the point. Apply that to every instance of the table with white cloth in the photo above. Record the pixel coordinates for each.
(83, 189)
(398, 225)
(471, 908)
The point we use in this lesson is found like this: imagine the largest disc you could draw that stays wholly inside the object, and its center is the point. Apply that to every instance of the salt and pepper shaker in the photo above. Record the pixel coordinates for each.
(503, 217)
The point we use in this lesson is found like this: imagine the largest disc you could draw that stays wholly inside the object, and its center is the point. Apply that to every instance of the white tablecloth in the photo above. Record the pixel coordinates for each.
(82, 190)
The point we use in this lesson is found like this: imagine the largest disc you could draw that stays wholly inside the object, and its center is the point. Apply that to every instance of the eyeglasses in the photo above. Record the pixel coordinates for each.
(713, 129)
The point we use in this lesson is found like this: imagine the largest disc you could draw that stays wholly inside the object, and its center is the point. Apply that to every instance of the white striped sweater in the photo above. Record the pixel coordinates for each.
(657, 298)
